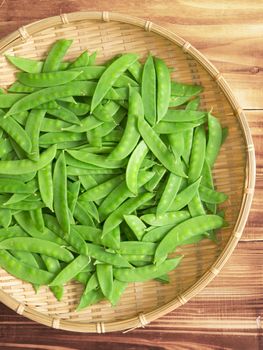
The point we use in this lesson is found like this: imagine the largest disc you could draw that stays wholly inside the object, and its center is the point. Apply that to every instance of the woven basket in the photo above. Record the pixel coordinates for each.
(234, 173)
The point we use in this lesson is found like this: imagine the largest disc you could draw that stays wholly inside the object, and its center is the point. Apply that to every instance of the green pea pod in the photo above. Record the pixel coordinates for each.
(7, 100)
(55, 55)
(155, 234)
(81, 61)
(169, 194)
(24, 271)
(45, 183)
(159, 149)
(25, 166)
(89, 299)
(149, 87)
(60, 193)
(33, 126)
(42, 80)
(214, 140)
(182, 115)
(98, 160)
(117, 290)
(111, 74)
(131, 136)
(73, 268)
(163, 87)
(209, 195)
(5, 217)
(105, 278)
(136, 225)
(142, 274)
(182, 90)
(170, 218)
(187, 229)
(25, 64)
(135, 247)
(197, 154)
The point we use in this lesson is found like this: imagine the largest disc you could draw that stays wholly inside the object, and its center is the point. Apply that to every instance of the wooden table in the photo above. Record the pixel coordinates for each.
(228, 314)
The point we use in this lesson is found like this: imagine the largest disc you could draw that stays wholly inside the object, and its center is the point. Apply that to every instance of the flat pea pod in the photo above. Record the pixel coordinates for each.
(16, 198)
(102, 190)
(163, 87)
(73, 171)
(170, 218)
(155, 234)
(130, 136)
(5, 217)
(133, 166)
(25, 64)
(119, 195)
(195, 206)
(33, 126)
(136, 225)
(53, 125)
(159, 172)
(105, 278)
(37, 218)
(81, 61)
(176, 101)
(21, 88)
(149, 87)
(114, 219)
(136, 70)
(42, 80)
(92, 283)
(209, 195)
(71, 270)
(142, 274)
(12, 231)
(176, 142)
(5, 147)
(64, 114)
(113, 239)
(169, 194)
(58, 137)
(60, 193)
(74, 188)
(7, 100)
(159, 149)
(135, 247)
(17, 133)
(98, 160)
(55, 55)
(82, 277)
(24, 271)
(117, 290)
(81, 214)
(87, 181)
(110, 75)
(78, 108)
(197, 157)
(182, 90)
(25, 166)
(214, 140)
(185, 230)
(99, 253)
(90, 298)
(193, 104)
(36, 245)
(185, 196)
(182, 115)
(15, 186)
(88, 123)
(89, 233)
(45, 183)
(188, 140)
(171, 128)
(105, 112)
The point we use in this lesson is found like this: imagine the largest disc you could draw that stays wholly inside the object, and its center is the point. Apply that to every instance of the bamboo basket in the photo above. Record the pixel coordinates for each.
(234, 173)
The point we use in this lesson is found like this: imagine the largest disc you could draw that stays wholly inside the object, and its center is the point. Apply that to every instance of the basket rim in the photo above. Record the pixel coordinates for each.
(21, 35)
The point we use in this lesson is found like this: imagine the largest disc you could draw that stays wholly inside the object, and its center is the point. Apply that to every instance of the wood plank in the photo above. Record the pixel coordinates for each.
(228, 33)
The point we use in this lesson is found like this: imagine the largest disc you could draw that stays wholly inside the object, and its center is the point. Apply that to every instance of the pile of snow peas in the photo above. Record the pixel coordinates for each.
(104, 171)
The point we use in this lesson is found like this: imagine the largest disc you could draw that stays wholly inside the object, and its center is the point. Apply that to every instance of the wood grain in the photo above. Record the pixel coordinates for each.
(228, 313)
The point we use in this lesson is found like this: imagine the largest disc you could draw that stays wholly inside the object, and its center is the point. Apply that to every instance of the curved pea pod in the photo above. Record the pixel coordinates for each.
(131, 136)
(157, 177)
(105, 112)
(135, 247)
(145, 273)
(21, 88)
(159, 149)
(118, 289)
(133, 166)
(169, 194)
(182, 90)
(15, 186)
(36, 245)
(195, 206)
(37, 219)
(105, 278)
(60, 193)
(92, 283)
(25, 64)
(90, 298)
(16, 198)
(176, 142)
(87, 124)
(78, 108)
(163, 87)
(193, 105)
(81, 214)
(33, 125)
(176, 101)
(197, 157)
(89, 233)
(120, 194)
(24, 271)
(136, 70)
(99, 253)
(214, 140)
(53, 125)
(59, 137)
(149, 90)
(25, 166)
(87, 181)
(113, 239)
(170, 218)
(136, 225)
(182, 115)
(90, 72)
(5, 217)
(155, 234)
(209, 195)
(185, 196)
(188, 140)
(81, 61)
(171, 128)
(66, 115)
(186, 230)
(71, 270)
(55, 55)
(110, 75)
(126, 208)
(42, 80)
(7, 100)
(82, 277)
(45, 183)
(94, 159)
(5, 147)
(17, 133)
(102, 190)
